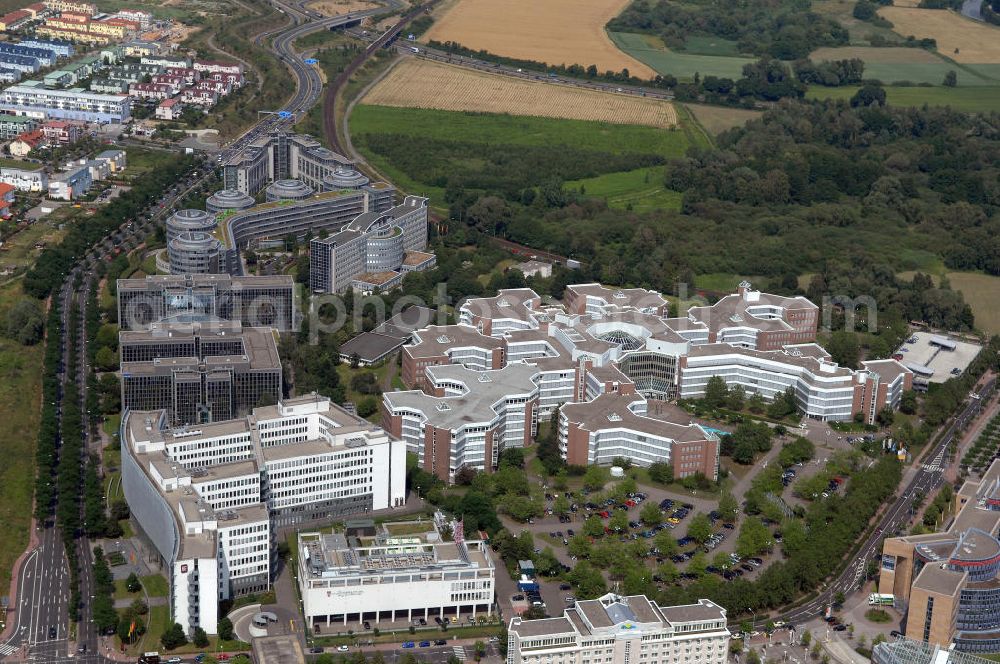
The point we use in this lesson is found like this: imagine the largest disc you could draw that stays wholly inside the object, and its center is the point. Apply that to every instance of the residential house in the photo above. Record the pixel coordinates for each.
(169, 109)
(62, 131)
(6, 199)
(26, 142)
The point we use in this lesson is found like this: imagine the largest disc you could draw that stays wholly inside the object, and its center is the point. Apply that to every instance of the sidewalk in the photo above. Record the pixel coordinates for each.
(842, 652)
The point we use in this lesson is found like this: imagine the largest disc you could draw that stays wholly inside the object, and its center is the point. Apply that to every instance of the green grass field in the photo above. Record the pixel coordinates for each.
(719, 281)
(620, 188)
(517, 130)
(155, 585)
(17, 163)
(705, 45)
(682, 65)
(642, 189)
(972, 99)
(20, 394)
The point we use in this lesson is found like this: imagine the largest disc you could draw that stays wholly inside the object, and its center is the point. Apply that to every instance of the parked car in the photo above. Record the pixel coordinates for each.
(440, 642)
(425, 644)
(343, 648)
(409, 644)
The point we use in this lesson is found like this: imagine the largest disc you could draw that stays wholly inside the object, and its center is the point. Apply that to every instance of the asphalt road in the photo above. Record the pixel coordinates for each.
(925, 479)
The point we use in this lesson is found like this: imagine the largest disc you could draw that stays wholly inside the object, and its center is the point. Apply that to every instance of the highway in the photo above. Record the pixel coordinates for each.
(926, 479)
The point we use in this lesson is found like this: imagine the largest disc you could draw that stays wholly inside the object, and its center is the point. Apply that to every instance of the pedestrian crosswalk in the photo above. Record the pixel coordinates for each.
(459, 652)
(936, 465)
(6, 649)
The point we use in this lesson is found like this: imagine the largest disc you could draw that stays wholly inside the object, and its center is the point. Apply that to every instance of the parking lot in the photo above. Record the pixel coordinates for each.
(936, 358)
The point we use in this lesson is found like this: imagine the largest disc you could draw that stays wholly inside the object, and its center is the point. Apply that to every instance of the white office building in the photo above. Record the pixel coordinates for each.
(392, 576)
(623, 630)
(209, 497)
(72, 104)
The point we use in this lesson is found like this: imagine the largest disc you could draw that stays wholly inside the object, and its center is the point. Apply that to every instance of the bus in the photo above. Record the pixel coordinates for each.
(877, 599)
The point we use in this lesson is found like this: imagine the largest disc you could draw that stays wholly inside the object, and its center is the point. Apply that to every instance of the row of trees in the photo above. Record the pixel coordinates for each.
(55, 261)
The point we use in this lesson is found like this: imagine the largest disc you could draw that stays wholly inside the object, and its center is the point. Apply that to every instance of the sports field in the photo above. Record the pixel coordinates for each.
(959, 38)
(971, 99)
(681, 65)
(416, 83)
(553, 31)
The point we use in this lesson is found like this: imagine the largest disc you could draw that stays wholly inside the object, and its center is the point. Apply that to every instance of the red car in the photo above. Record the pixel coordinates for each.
(604, 515)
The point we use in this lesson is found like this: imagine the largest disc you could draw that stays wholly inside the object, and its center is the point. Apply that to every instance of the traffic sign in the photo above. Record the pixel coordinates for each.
(284, 114)
(310, 61)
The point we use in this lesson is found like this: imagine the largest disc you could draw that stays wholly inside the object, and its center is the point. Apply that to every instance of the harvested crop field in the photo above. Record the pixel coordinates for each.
(338, 7)
(959, 38)
(417, 83)
(553, 31)
(717, 119)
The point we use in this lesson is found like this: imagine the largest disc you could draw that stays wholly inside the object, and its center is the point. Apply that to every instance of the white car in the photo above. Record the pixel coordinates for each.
(342, 648)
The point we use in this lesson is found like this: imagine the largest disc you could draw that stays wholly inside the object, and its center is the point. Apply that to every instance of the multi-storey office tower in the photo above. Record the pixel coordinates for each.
(210, 498)
(199, 372)
(267, 301)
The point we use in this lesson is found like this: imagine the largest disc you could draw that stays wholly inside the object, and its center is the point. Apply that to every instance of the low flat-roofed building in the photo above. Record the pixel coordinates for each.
(370, 348)
(393, 577)
(618, 629)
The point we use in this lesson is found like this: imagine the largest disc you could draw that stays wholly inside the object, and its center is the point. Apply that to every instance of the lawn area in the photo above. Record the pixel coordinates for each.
(719, 281)
(347, 373)
(972, 99)
(121, 591)
(19, 250)
(20, 395)
(155, 585)
(141, 160)
(711, 45)
(682, 65)
(17, 163)
(640, 190)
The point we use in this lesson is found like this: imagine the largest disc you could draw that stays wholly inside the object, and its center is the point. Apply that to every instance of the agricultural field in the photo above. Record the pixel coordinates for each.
(338, 7)
(963, 40)
(556, 31)
(682, 65)
(979, 99)
(717, 119)
(890, 65)
(416, 83)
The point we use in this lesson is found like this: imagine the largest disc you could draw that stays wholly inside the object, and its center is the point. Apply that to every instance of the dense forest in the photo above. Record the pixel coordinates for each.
(783, 29)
